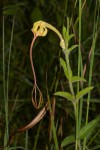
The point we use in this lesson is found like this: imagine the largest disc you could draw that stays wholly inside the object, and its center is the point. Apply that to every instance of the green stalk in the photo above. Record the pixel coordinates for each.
(79, 48)
(9, 58)
(91, 67)
(6, 92)
(26, 140)
(75, 103)
(80, 65)
(4, 87)
(78, 119)
(53, 124)
(36, 138)
(3, 48)
(75, 4)
(81, 100)
(66, 4)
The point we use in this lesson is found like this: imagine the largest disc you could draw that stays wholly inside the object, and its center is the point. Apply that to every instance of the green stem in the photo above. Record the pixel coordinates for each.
(26, 140)
(36, 138)
(80, 65)
(53, 125)
(4, 89)
(91, 68)
(69, 72)
(75, 103)
(79, 49)
(79, 69)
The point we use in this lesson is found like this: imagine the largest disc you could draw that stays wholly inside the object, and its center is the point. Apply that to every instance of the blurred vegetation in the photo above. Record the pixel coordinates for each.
(46, 52)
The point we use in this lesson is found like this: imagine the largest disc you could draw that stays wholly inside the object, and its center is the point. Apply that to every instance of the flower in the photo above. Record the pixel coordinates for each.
(40, 29)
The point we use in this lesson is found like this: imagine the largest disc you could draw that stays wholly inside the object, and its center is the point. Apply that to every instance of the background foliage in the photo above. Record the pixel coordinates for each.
(21, 15)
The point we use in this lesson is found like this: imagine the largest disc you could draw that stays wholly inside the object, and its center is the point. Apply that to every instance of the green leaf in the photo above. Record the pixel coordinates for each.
(71, 48)
(70, 73)
(68, 140)
(64, 32)
(76, 78)
(63, 64)
(66, 37)
(36, 14)
(13, 8)
(64, 95)
(9, 10)
(88, 128)
(70, 37)
(83, 92)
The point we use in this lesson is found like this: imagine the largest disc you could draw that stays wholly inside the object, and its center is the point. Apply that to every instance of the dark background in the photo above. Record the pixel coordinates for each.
(46, 53)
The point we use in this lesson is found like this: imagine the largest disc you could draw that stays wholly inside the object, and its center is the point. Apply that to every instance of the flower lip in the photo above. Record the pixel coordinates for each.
(39, 29)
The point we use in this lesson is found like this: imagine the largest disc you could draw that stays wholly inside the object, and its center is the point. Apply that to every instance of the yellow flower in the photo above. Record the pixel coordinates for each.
(40, 29)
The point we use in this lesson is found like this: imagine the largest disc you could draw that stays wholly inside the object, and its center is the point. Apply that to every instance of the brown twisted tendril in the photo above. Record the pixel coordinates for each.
(36, 104)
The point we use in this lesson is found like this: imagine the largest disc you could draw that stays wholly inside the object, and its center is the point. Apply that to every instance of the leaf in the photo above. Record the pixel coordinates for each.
(68, 73)
(71, 48)
(64, 95)
(12, 9)
(36, 14)
(76, 78)
(64, 32)
(68, 140)
(88, 128)
(66, 37)
(82, 134)
(70, 37)
(83, 92)
(63, 64)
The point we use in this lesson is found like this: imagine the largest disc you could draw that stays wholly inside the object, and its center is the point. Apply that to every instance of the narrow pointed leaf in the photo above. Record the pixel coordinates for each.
(64, 31)
(63, 64)
(71, 48)
(76, 78)
(70, 73)
(64, 95)
(10, 10)
(83, 92)
(88, 128)
(68, 140)
(70, 37)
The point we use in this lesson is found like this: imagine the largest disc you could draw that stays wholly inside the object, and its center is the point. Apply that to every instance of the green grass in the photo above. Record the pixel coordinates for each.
(75, 123)
(6, 136)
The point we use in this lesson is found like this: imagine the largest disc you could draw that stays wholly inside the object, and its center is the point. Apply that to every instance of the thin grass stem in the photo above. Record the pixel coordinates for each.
(80, 64)
(91, 67)
(26, 141)
(4, 86)
(7, 84)
(37, 136)
(53, 125)
(9, 57)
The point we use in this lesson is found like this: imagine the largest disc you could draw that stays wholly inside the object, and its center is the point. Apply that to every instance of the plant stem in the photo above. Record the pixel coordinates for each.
(53, 124)
(91, 66)
(37, 136)
(75, 103)
(4, 87)
(69, 72)
(79, 69)
(79, 49)
(26, 140)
